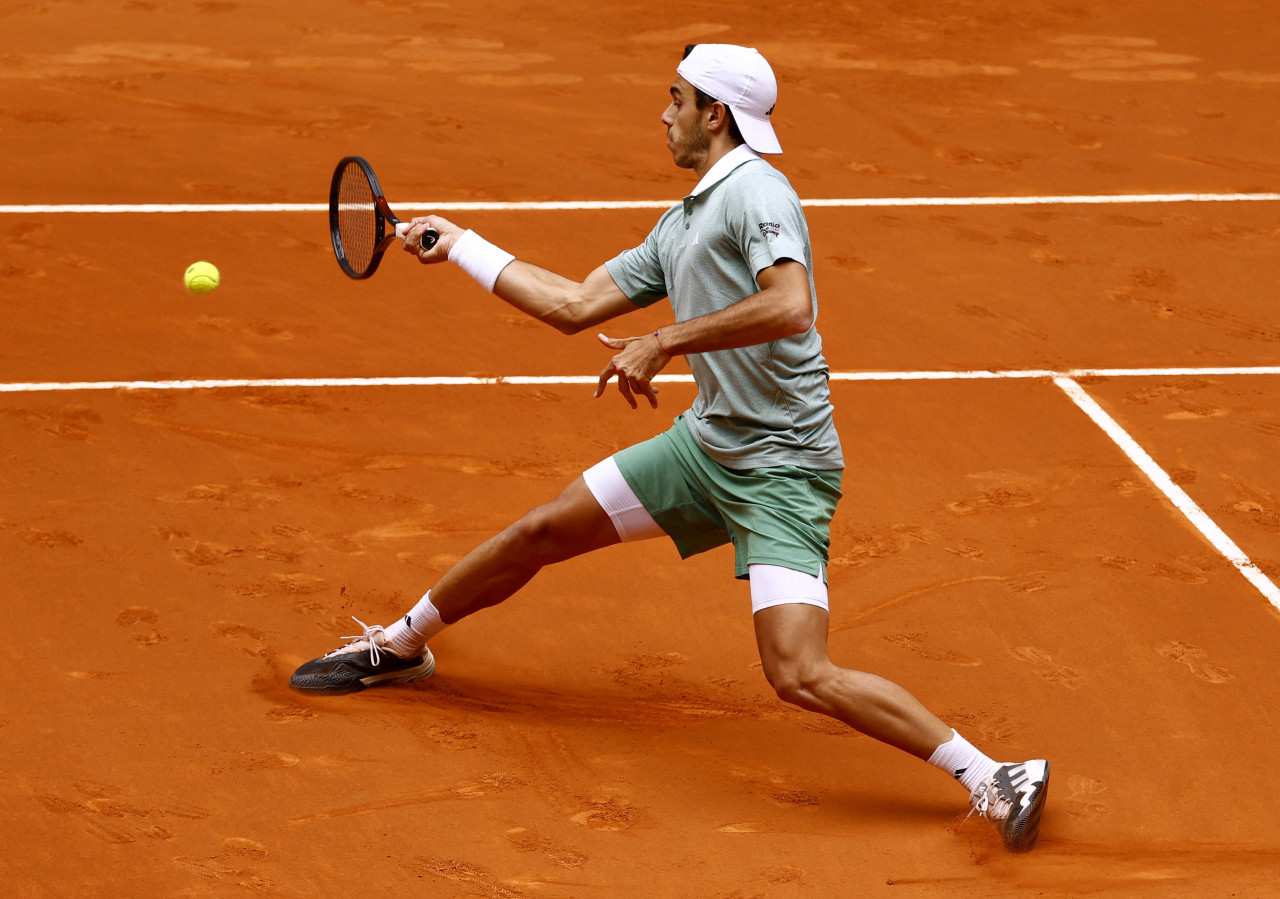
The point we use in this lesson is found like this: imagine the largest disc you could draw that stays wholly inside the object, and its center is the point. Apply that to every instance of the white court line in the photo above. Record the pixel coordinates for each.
(1034, 373)
(444, 206)
(1065, 380)
(222, 383)
(1012, 374)
(1176, 495)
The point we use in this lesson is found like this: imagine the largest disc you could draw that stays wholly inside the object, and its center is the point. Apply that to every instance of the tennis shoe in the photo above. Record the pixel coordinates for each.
(364, 662)
(1012, 799)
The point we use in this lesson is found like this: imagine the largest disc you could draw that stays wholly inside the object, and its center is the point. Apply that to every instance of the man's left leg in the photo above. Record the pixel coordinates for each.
(793, 649)
(792, 638)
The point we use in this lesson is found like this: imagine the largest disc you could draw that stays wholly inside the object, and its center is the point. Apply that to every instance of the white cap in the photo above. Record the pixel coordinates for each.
(740, 78)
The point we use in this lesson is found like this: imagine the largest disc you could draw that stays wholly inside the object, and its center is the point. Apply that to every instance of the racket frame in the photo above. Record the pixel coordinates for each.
(383, 216)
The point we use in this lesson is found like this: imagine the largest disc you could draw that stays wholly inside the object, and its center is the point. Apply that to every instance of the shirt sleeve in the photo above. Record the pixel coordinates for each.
(766, 219)
(638, 272)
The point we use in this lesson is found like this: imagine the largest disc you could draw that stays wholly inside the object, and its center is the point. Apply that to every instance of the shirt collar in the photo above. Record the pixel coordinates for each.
(726, 164)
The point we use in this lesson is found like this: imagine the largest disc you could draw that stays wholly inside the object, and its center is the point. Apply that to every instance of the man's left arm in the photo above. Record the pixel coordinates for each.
(782, 307)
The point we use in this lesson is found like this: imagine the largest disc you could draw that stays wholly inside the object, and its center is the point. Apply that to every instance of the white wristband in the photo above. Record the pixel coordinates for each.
(480, 259)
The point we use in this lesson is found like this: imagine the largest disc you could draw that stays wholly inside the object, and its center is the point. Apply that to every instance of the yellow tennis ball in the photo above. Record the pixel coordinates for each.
(201, 277)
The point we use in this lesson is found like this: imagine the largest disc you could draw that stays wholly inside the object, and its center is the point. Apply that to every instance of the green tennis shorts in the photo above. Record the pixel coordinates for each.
(772, 516)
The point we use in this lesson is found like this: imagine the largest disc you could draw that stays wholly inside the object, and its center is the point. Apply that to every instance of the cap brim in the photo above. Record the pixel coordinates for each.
(758, 133)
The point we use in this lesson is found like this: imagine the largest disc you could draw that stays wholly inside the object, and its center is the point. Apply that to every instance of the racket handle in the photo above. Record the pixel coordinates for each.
(427, 239)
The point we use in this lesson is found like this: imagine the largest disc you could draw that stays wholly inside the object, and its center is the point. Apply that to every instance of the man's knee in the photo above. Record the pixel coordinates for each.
(797, 682)
(536, 534)
(569, 525)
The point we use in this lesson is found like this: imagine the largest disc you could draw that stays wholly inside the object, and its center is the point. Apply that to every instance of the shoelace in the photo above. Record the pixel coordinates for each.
(375, 655)
(990, 804)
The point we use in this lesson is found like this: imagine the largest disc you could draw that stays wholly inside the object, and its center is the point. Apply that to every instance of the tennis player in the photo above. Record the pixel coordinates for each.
(756, 461)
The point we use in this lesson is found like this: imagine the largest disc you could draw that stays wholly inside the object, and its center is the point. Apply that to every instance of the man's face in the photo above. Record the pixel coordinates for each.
(687, 138)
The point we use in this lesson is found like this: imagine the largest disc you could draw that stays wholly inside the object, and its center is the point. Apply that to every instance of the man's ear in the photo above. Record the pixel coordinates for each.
(717, 117)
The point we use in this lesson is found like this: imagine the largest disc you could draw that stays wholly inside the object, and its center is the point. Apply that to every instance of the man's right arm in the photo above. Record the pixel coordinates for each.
(566, 305)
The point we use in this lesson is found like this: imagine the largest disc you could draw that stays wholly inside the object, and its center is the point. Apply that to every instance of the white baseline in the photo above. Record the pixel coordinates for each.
(454, 206)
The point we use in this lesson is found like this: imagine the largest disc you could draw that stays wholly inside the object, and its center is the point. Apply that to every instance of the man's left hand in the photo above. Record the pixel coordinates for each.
(635, 366)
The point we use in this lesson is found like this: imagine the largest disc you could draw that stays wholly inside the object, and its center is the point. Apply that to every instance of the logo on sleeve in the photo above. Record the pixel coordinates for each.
(769, 230)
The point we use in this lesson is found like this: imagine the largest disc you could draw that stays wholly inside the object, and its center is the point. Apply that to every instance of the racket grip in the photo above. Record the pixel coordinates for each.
(427, 239)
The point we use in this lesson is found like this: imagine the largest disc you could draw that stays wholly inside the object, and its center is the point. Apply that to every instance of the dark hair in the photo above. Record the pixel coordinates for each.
(701, 99)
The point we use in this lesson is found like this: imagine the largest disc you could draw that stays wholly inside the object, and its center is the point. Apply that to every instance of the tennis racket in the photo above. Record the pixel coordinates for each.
(358, 219)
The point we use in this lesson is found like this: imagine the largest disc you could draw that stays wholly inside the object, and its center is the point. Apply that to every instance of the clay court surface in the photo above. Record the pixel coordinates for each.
(170, 555)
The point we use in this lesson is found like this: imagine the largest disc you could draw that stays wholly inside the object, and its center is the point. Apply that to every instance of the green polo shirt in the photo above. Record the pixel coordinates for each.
(758, 406)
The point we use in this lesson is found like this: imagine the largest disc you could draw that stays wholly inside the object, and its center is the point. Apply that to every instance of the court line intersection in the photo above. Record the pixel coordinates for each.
(1067, 381)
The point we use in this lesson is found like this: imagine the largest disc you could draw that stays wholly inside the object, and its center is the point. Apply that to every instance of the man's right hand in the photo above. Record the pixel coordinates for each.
(449, 234)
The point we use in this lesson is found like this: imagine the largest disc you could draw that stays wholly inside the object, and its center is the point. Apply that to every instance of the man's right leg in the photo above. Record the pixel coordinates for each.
(571, 524)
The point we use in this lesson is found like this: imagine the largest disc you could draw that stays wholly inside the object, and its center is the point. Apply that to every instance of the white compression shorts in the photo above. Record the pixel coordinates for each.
(771, 585)
(629, 516)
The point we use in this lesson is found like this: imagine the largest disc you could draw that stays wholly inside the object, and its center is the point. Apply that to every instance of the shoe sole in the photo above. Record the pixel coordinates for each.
(1025, 829)
(328, 685)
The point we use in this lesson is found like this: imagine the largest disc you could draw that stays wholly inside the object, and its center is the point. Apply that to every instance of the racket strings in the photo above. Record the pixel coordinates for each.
(357, 217)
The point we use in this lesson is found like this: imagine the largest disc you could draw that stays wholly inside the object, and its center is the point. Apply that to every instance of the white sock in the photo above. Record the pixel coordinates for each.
(961, 759)
(407, 636)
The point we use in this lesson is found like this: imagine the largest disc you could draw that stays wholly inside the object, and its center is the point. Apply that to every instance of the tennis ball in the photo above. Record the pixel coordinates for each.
(201, 277)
